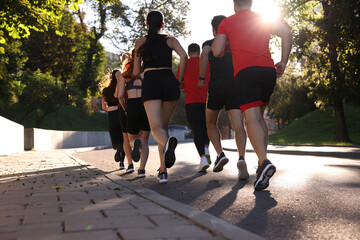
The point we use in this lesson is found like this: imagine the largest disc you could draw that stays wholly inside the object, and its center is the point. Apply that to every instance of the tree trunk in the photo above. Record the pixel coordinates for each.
(341, 129)
(332, 32)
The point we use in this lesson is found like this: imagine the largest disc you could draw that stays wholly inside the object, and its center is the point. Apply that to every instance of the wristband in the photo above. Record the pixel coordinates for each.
(201, 78)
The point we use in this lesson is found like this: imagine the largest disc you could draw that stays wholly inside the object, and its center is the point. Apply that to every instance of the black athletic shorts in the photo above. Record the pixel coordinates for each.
(254, 86)
(123, 120)
(136, 116)
(219, 97)
(160, 84)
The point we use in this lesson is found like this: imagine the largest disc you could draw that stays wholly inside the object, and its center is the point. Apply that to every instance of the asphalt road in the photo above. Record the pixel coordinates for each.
(315, 193)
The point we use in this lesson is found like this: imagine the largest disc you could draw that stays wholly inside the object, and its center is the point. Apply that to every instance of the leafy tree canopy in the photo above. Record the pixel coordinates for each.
(18, 17)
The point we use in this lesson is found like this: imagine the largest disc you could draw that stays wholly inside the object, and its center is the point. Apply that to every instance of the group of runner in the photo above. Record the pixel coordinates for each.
(234, 70)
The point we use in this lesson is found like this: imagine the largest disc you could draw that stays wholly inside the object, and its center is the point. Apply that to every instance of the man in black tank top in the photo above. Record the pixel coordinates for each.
(221, 94)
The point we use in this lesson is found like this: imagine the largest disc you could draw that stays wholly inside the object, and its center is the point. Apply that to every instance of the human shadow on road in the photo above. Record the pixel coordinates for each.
(355, 155)
(257, 219)
(227, 200)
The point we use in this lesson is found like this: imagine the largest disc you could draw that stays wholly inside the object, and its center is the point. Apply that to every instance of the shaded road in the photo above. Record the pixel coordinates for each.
(314, 194)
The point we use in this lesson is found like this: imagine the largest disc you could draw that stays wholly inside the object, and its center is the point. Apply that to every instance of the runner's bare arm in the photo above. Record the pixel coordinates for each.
(175, 45)
(117, 75)
(219, 45)
(204, 60)
(137, 59)
(282, 30)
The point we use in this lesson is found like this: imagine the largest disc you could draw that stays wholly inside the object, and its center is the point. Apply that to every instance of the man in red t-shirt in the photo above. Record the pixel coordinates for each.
(255, 73)
(195, 104)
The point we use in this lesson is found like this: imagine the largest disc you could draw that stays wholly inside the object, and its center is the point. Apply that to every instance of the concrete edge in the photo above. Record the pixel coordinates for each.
(216, 226)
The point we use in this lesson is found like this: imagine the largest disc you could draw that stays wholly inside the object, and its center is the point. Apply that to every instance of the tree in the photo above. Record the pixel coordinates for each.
(128, 23)
(327, 43)
(290, 99)
(40, 94)
(58, 54)
(17, 19)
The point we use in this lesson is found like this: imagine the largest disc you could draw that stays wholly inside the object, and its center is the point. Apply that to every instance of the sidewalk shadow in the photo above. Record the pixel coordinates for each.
(185, 192)
(257, 219)
(227, 200)
(46, 171)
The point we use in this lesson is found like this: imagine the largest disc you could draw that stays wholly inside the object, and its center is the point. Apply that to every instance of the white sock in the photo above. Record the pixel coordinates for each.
(203, 158)
(207, 152)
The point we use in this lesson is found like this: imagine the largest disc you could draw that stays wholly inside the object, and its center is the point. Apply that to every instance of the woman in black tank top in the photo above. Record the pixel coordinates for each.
(160, 92)
(110, 105)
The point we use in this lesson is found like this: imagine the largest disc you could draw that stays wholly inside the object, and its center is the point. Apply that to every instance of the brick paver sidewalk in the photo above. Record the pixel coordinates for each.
(51, 195)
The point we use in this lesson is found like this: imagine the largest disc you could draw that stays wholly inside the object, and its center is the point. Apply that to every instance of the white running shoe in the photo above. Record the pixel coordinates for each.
(204, 164)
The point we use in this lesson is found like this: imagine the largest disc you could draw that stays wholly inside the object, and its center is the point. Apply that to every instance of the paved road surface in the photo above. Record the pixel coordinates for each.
(315, 193)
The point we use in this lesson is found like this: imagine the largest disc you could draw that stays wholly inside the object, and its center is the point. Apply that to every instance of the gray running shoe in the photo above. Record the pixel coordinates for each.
(243, 173)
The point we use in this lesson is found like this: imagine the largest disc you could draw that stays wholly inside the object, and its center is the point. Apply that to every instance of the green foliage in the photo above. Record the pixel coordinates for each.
(18, 17)
(40, 94)
(318, 127)
(327, 43)
(65, 118)
(10, 68)
(290, 99)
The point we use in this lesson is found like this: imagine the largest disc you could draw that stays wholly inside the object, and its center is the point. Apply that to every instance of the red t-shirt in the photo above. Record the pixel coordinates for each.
(193, 92)
(249, 38)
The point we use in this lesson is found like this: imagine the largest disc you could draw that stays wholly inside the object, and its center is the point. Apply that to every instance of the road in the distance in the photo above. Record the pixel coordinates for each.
(315, 193)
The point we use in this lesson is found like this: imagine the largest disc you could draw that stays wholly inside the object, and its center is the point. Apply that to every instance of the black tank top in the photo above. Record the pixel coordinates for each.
(111, 101)
(162, 52)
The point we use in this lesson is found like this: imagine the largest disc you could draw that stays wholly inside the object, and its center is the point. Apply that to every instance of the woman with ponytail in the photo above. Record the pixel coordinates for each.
(160, 88)
(137, 121)
(110, 105)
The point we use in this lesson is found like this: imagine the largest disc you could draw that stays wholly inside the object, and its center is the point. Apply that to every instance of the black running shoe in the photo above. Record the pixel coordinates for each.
(122, 165)
(141, 173)
(130, 168)
(169, 155)
(162, 177)
(117, 155)
(263, 175)
(220, 162)
(135, 154)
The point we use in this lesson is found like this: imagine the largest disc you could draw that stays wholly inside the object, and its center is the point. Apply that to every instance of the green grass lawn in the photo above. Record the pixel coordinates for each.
(318, 127)
(66, 118)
